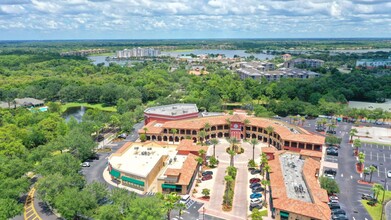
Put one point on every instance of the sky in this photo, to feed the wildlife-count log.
(184, 19)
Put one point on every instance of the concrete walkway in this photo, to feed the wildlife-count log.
(388, 210)
(240, 202)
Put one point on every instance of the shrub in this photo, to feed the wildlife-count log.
(143, 138)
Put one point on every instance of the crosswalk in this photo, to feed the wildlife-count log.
(149, 193)
(364, 189)
(189, 203)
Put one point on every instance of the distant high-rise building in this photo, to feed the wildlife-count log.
(138, 52)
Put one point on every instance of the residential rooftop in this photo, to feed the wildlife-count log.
(173, 109)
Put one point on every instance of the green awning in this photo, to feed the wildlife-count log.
(115, 173)
(168, 186)
(284, 214)
(131, 180)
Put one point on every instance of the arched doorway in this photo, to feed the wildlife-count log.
(165, 138)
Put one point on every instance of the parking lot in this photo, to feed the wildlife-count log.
(379, 155)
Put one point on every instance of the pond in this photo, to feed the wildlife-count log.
(76, 112)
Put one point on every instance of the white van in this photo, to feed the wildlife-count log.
(185, 199)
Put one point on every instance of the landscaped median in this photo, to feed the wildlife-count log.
(229, 188)
(375, 211)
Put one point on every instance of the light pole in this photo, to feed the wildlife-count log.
(203, 216)
(382, 202)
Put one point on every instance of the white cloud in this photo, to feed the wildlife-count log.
(254, 17)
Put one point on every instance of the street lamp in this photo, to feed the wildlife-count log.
(203, 216)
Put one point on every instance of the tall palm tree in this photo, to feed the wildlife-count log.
(302, 119)
(377, 188)
(357, 145)
(145, 130)
(318, 124)
(202, 154)
(266, 169)
(231, 153)
(269, 130)
(361, 158)
(264, 160)
(233, 142)
(366, 171)
(245, 122)
(229, 181)
(265, 183)
(254, 142)
(352, 133)
(173, 131)
(214, 141)
(200, 161)
(371, 170)
(206, 126)
(202, 135)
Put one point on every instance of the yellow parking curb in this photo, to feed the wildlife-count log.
(29, 205)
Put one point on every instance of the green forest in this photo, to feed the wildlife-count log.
(42, 148)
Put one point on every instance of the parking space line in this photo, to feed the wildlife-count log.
(384, 156)
(371, 155)
(378, 173)
(377, 156)
(383, 147)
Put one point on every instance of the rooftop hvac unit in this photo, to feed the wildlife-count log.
(135, 148)
(149, 148)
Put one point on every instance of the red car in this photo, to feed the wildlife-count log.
(206, 177)
(255, 180)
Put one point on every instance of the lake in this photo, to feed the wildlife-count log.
(102, 59)
(227, 53)
(76, 112)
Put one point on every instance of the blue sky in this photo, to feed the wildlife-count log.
(156, 19)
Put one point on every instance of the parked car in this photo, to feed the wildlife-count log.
(330, 171)
(257, 189)
(334, 206)
(339, 217)
(207, 177)
(100, 138)
(251, 169)
(332, 151)
(85, 164)
(253, 172)
(366, 196)
(94, 156)
(184, 199)
(254, 180)
(207, 173)
(334, 198)
(255, 206)
(255, 195)
(331, 132)
(389, 174)
(255, 201)
(123, 135)
(329, 176)
(252, 185)
(338, 211)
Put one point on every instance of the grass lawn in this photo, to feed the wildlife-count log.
(375, 211)
(97, 106)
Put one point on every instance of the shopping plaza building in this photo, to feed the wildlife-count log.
(285, 136)
(156, 166)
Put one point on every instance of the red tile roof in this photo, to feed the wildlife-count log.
(188, 145)
(311, 153)
(318, 209)
(186, 171)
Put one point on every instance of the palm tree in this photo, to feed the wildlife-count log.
(361, 158)
(352, 133)
(254, 142)
(366, 171)
(200, 161)
(145, 130)
(266, 169)
(290, 119)
(245, 122)
(264, 160)
(232, 153)
(269, 130)
(357, 145)
(202, 135)
(302, 118)
(206, 126)
(332, 127)
(169, 202)
(233, 142)
(318, 124)
(181, 207)
(173, 131)
(214, 141)
(371, 170)
(229, 181)
(377, 188)
(265, 183)
(202, 154)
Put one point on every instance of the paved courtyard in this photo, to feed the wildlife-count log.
(241, 196)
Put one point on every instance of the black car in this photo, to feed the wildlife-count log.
(366, 197)
(207, 173)
(257, 189)
(255, 185)
(334, 206)
(253, 172)
(100, 138)
(251, 168)
(255, 206)
(94, 156)
(332, 152)
(338, 211)
(331, 132)
(330, 171)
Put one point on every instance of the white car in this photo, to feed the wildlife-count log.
(389, 174)
(329, 176)
(255, 201)
(85, 164)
